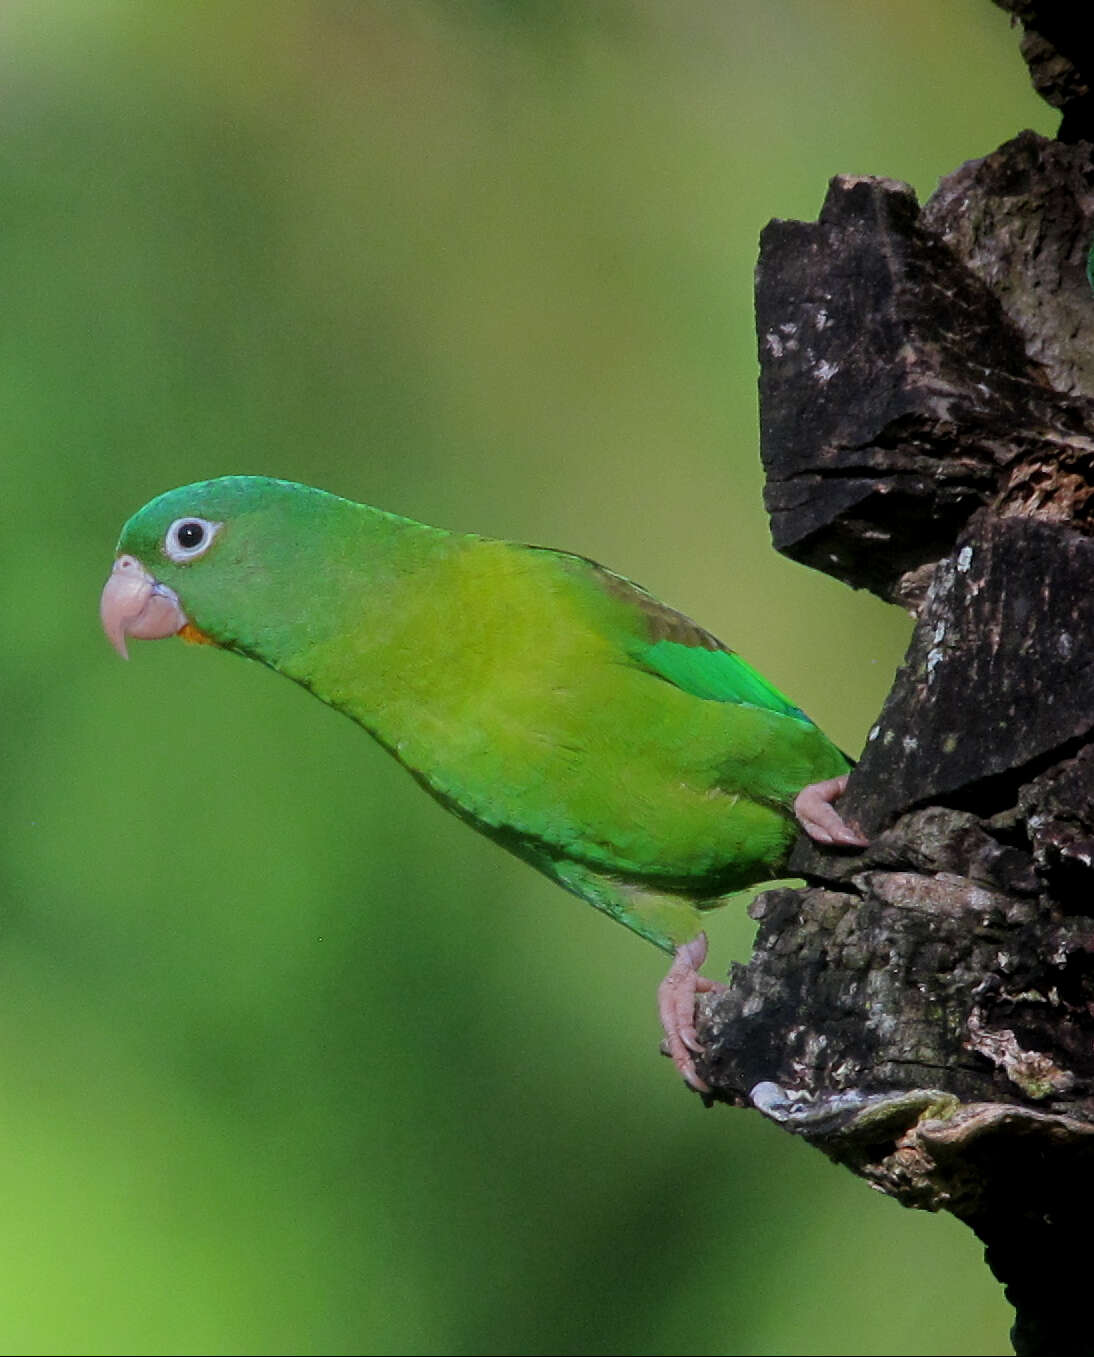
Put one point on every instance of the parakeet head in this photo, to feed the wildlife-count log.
(221, 561)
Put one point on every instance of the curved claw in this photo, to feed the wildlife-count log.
(819, 818)
(676, 1007)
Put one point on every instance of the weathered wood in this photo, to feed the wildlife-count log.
(901, 389)
(1056, 46)
(923, 1011)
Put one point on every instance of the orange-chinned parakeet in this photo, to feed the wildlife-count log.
(598, 734)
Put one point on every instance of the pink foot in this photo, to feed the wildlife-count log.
(819, 817)
(676, 1005)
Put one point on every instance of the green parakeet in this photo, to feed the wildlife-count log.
(601, 736)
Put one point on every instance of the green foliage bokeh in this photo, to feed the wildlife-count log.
(290, 1060)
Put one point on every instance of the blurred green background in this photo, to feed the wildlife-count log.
(290, 1060)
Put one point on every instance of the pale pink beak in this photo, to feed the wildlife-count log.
(135, 603)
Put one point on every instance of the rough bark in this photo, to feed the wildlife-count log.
(1056, 46)
(923, 1011)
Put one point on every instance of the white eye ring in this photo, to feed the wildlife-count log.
(188, 538)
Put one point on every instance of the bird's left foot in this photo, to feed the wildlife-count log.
(818, 816)
(676, 1005)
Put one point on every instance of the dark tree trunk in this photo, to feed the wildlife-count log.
(923, 1011)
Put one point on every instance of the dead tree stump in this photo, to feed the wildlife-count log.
(923, 1011)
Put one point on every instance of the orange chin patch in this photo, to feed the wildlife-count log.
(192, 636)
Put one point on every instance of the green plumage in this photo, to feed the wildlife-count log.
(555, 706)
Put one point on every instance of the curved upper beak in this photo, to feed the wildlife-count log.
(135, 603)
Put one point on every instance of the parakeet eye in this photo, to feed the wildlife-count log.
(189, 538)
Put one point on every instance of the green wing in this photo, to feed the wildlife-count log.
(717, 675)
(678, 650)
